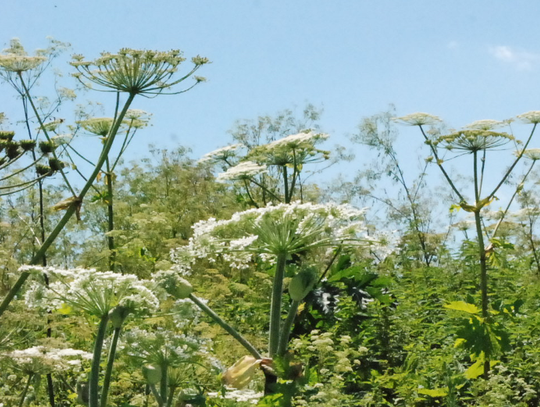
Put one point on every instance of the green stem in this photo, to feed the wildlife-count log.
(156, 395)
(171, 397)
(294, 175)
(481, 252)
(110, 213)
(509, 171)
(41, 124)
(108, 371)
(164, 382)
(71, 210)
(518, 188)
(286, 185)
(230, 330)
(275, 306)
(286, 329)
(246, 185)
(439, 164)
(93, 382)
(23, 395)
(265, 191)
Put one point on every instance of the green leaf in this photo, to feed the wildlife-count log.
(65, 309)
(475, 369)
(441, 392)
(463, 306)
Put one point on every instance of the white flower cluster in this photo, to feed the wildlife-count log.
(532, 117)
(298, 140)
(244, 170)
(41, 359)
(221, 154)
(20, 63)
(285, 228)
(137, 114)
(486, 124)
(531, 153)
(90, 291)
(160, 346)
(244, 395)
(419, 119)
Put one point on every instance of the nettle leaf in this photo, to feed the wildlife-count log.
(463, 306)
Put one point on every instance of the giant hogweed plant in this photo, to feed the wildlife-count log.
(297, 239)
(483, 336)
(129, 72)
(106, 297)
(270, 173)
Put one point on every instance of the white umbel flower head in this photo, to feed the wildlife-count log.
(221, 154)
(90, 291)
(244, 170)
(137, 72)
(273, 230)
(44, 360)
(532, 117)
(419, 119)
(486, 124)
(531, 153)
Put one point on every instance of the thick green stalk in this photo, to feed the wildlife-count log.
(72, 208)
(286, 185)
(275, 306)
(23, 395)
(93, 382)
(481, 251)
(230, 330)
(108, 370)
(286, 329)
(164, 382)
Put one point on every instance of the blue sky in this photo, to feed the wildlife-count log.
(461, 60)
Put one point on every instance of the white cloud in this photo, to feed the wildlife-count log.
(520, 60)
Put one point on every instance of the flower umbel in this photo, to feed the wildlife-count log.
(100, 126)
(474, 140)
(273, 230)
(137, 72)
(531, 153)
(419, 119)
(95, 293)
(532, 117)
(244, 170)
